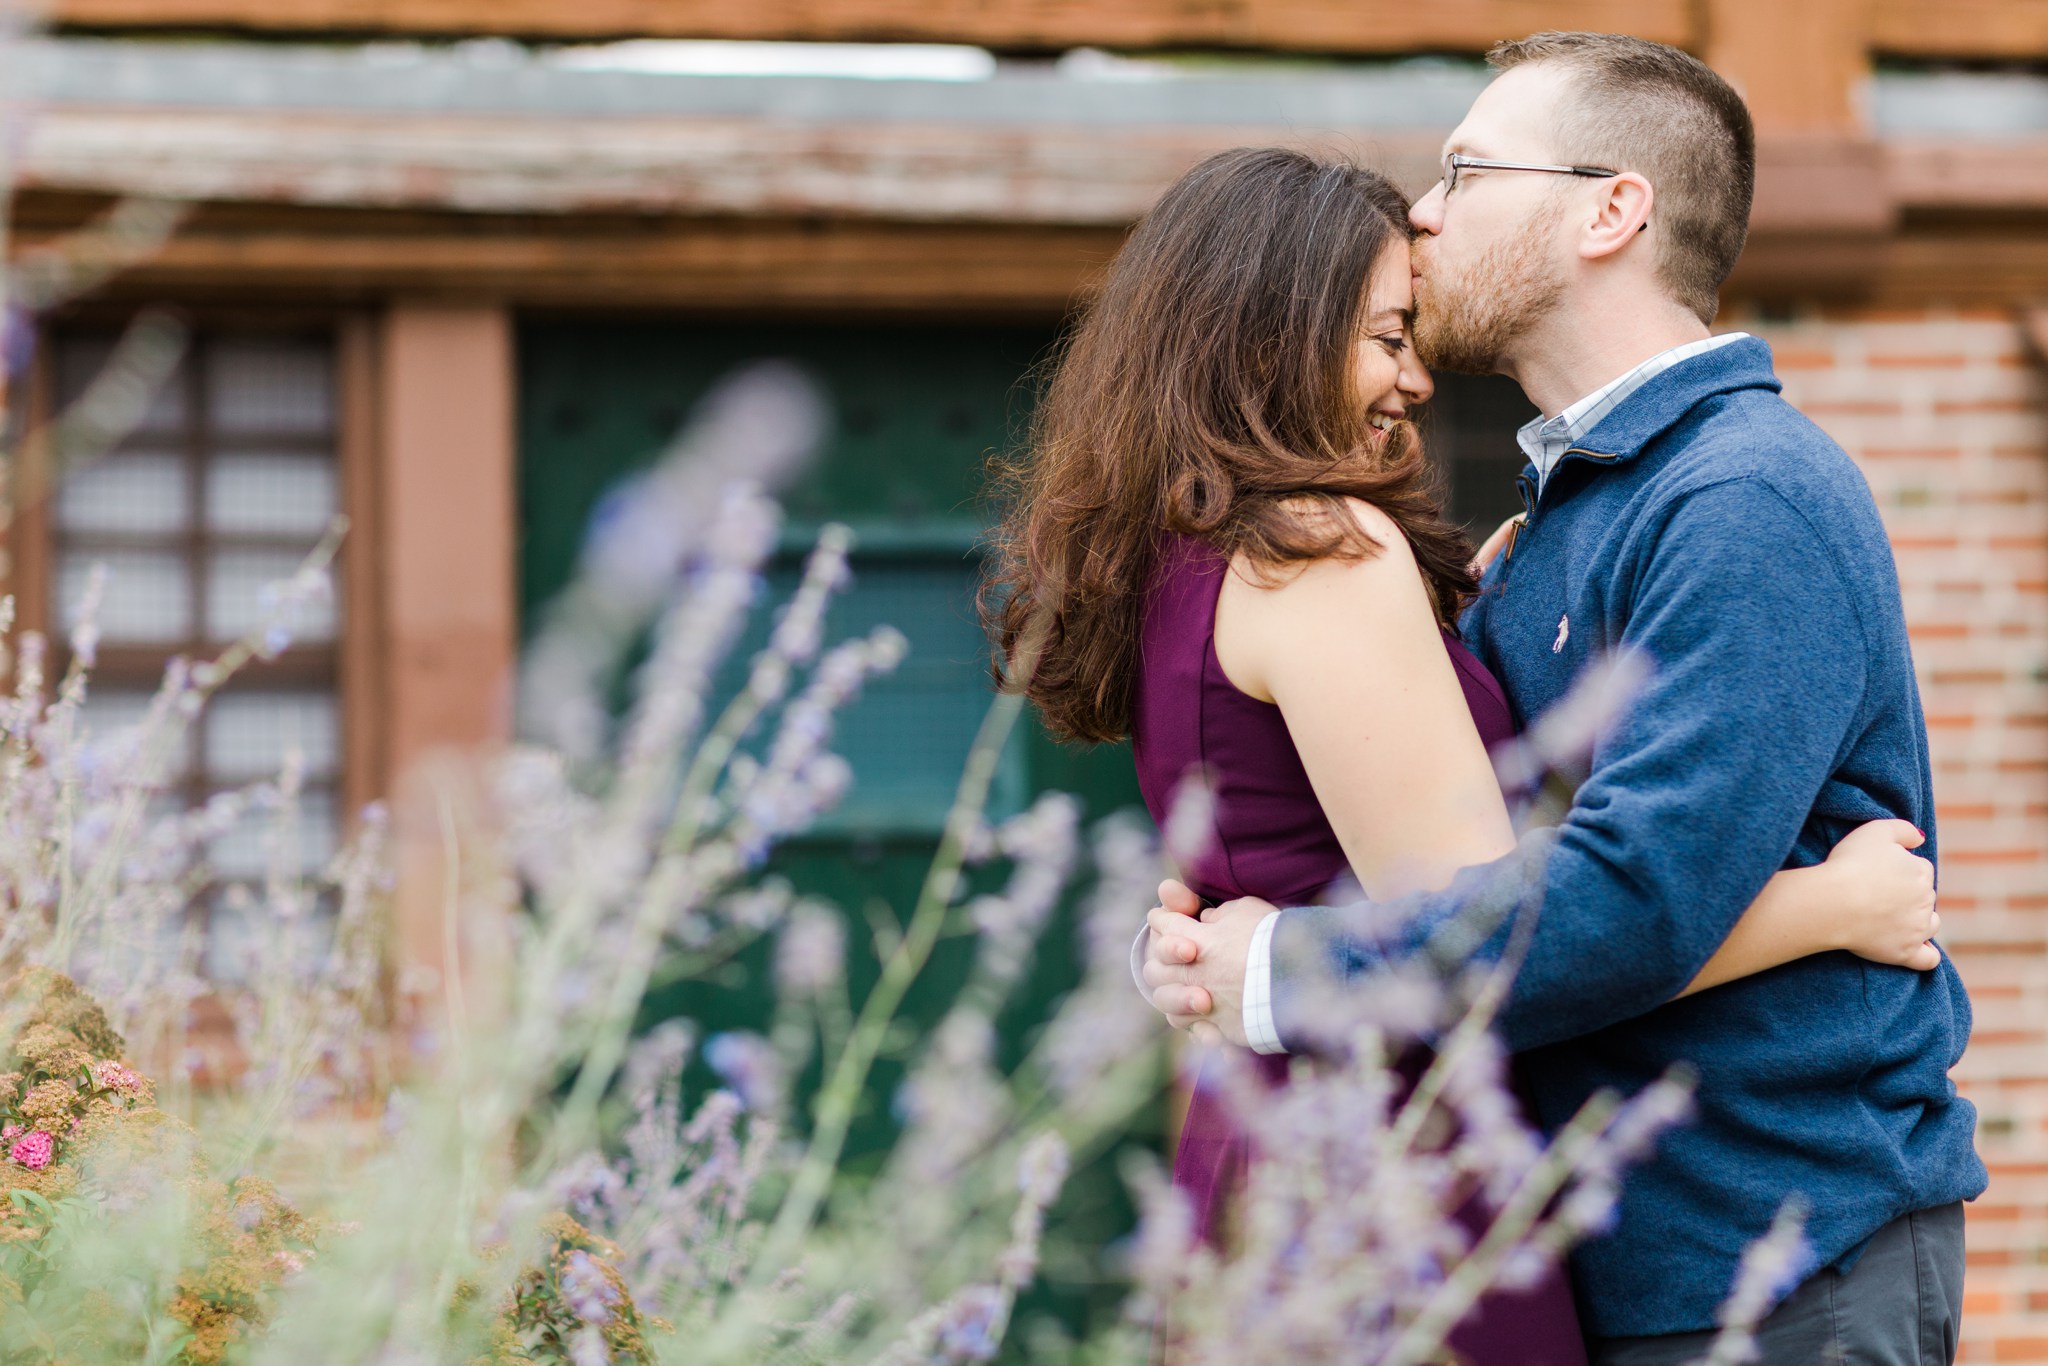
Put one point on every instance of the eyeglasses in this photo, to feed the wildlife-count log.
(1458, 161)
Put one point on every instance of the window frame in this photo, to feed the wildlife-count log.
(346, 667)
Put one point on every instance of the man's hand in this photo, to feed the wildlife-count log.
(1195, 967)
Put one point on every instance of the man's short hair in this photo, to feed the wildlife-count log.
(1645, 107)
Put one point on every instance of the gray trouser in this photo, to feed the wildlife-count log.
(1901, 1305)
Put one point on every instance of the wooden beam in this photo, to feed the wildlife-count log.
(1800, 66)
(27, 543)
(1050, 173)
(278, 256)
(2013, 30)
(2034, 319)
(650, 168)
(2005, 174)
(446, 471)
(1927, 264)
(266, 253)
(448, 505)
(1335, 26)
(365, 702)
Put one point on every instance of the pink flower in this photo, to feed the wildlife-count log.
(34, 1151)
(9, 1131)
(110, 1075)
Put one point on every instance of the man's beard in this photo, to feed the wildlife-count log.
(1465, 323)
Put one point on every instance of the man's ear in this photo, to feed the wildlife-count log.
(1620, 216)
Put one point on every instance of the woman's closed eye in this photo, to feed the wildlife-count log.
(1395, 343)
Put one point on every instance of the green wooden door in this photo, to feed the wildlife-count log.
(917, 411)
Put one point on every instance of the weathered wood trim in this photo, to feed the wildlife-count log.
(1799, 66)
(1962, 265)
(962, 172)
(447, 475)
(1049, 173)
(2011, 29)
(2004, 174)
(228, 254)
(26, 537)
(2034, 318)
(1337, 26)
(365, 708)
(231, 255)
(448, 478)
(1828, 210)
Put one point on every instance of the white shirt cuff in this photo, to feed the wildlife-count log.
(1260, 1029)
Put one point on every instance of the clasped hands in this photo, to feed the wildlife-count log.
(1194, 966)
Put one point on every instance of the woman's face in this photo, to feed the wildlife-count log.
(1384, 371)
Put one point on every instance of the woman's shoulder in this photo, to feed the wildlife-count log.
(1390, 556)
(1377, 523)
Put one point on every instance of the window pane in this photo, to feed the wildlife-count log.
(270, 495)
(148, 597)
(234, 596)
(242, 854)
(135, 492)
(909, 732)
(109, 722)
(247, 734)
(81, 360)
(270, 385)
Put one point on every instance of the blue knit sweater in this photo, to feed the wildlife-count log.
(1707, 524)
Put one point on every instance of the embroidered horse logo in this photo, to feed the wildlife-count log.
(1564, 633)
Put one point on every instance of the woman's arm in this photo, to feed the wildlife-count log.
(1872, 897)
(1351, 652)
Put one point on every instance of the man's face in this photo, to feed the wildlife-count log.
(1492, 256)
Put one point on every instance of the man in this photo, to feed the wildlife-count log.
(1593, 201)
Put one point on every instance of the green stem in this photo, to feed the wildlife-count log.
(1462, 1289)
(841, 1095)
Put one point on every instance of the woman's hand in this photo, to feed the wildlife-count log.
(1884, 895)
(1494, 543)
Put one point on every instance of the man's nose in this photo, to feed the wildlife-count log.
(1427, 213)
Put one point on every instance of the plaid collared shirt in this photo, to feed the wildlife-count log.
(1545, 440)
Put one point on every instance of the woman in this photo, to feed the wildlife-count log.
(1225, 544)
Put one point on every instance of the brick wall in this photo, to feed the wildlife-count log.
(1947, 413)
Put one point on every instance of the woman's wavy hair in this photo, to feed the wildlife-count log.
(1207, 390)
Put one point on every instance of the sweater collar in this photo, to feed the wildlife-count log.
(1663, 401)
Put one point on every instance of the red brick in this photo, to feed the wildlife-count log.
(1962, 478)
(1949, 361)
(1850, 407)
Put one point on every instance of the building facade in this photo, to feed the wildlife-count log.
(452, 268)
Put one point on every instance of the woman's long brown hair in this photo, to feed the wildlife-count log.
(1208, 391)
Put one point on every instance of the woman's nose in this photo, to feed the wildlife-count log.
(1415, 384)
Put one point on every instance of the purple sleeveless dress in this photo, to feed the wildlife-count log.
(1272, 841)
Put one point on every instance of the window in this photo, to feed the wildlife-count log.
(223, 488)
(908, 734)
(916, 410)
(1469, 426)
